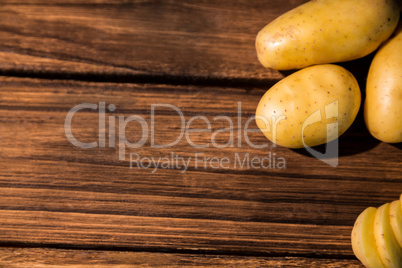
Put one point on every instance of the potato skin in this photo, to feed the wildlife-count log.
(326, 31)
(383, 103)
(283, 110)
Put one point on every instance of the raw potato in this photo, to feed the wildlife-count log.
(388, 248)
(297, 110)
(377, 234)
(382, 108)
(326, 31)
(363, 241)
(395, 213)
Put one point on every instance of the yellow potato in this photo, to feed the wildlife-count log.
(326, 31)
(395, 213)
(388, 248)
(310, 107)
(363, 241)
(382, 108)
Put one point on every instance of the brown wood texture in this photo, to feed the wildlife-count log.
(64, 205)
(186, 39)
(58, 195)
(49, 257)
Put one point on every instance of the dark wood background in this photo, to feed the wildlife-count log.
(62, 205)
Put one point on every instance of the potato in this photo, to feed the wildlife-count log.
(388, 248)
(382, 108)
(376, 236)
(363, 242)
(326, 31)
(395, 213)
(310, 107)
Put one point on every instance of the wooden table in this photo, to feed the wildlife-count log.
(66, 205)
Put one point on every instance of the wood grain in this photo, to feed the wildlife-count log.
(57, 195)
(48, 257)
(83, 230)
(67, 206)
(184, 39)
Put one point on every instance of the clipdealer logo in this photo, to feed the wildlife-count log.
(331, 155)
(108, 123)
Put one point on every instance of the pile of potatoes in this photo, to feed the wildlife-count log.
(318, 103)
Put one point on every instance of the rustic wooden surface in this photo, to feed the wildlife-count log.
(63, 205)
(50, 257)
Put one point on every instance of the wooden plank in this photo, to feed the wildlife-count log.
(102, 39)
(45, 185)
(45, 102)
(57, 195)
(48, 257)
(82, 230)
